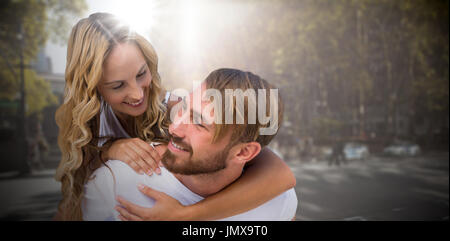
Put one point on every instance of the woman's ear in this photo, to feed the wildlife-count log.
(248, 151)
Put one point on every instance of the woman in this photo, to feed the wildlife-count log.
(112, 105)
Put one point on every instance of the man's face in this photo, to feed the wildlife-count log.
(190, 150)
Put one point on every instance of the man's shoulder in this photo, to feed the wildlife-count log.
(111, 169)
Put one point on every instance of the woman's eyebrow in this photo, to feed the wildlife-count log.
(114, 81)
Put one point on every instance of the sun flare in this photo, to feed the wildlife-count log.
(139, 14)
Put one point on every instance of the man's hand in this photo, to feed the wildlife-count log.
(166, 208)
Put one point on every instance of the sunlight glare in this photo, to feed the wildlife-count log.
(139, 14)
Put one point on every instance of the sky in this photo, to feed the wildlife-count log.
(57, 53)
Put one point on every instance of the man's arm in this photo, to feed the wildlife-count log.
(281, 208)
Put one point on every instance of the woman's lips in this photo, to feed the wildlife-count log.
(135, 104)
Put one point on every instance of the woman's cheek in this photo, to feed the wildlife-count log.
(147, 83)
(114, 99)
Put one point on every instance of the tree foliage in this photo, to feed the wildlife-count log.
(39, 21)
(354, 61)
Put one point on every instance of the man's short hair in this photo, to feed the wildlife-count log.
(234, 79)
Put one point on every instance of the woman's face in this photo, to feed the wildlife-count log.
(125, 80)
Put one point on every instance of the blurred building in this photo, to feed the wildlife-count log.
(43, 66)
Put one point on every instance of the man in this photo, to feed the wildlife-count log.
(203, 156)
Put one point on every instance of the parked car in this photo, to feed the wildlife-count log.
(356, 151)
(402, 149)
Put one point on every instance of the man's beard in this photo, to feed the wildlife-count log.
(191, 166)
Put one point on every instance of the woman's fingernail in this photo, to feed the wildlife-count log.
(150, 173)
(141, 186)
(158, 171)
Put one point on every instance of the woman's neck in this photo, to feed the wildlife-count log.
(126, 121)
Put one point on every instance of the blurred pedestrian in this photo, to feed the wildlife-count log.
(337, 155)
(38, 147)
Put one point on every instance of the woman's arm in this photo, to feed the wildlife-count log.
(267, 177)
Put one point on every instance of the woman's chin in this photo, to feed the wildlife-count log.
(135, 112)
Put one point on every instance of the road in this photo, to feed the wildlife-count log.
(376, 189)
(380, 188)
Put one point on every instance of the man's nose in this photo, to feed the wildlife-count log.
(176, 129)
(179, 124)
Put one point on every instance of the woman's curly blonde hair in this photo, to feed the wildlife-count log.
(91, 41)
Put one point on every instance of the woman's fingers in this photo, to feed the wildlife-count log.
(141, 156)
(135, 160)
(149, 155)
(138, 154)
(130, 160)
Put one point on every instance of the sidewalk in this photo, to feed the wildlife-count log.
(30, 197)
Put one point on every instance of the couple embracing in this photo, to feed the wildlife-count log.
(131, 151)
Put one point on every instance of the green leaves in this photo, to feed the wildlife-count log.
(40, 20)
(346, 61)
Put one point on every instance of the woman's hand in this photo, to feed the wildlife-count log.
(138, 154)
(166, 208)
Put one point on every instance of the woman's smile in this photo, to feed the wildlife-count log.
(135, 104)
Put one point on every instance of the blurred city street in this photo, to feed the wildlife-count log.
(380, 188)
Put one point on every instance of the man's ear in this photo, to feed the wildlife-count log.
(247, 151)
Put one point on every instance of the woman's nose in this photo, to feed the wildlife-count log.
(136, 92)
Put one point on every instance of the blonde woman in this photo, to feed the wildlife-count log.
(113, 104)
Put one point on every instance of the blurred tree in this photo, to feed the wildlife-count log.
(355, 68)
(41, 20)
(25, 26)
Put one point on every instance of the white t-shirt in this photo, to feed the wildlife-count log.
(120, 179)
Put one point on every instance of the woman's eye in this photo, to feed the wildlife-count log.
(141, 74)
(118, 86)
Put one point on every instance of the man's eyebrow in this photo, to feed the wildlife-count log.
(115, 81)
